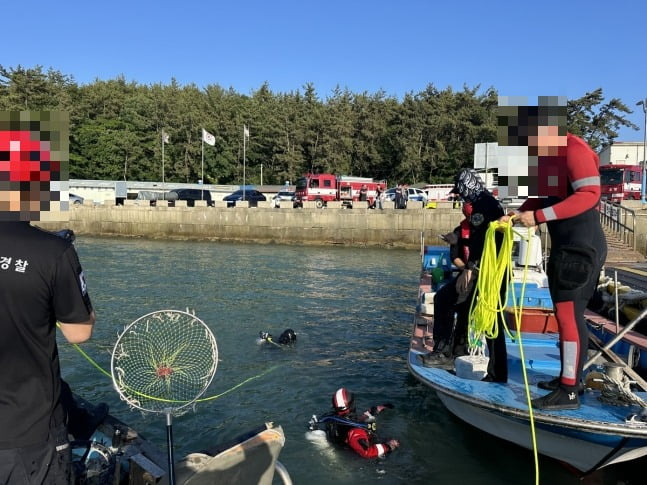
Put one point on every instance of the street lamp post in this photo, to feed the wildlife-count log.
(643, 102)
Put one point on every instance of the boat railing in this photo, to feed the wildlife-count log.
(282, 473)
(620, 220)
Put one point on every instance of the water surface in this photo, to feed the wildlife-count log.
(352, 310)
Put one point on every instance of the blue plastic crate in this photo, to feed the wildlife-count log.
(436, 257)
(533, 297)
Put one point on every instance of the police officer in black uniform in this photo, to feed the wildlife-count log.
(41, 282)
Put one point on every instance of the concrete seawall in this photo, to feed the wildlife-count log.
(331, 226)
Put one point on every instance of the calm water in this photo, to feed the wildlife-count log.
(352, 311)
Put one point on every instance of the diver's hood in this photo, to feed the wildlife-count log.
(468, 185)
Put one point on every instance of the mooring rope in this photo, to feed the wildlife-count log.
(618, 393)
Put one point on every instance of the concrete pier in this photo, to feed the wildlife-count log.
(265, 224)
(352, 227)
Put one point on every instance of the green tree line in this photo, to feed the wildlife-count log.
(116, 128)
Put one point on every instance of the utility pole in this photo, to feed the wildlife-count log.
(643, 102)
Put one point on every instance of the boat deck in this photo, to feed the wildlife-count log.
(596, 434)
(541, 361)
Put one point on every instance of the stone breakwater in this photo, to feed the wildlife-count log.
(330, 226)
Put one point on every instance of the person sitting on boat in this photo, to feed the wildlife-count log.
(344, 427)
(460, 290)
(568, 186)
(458, 240)
(288, 337)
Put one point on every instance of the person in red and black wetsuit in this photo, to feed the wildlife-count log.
(345, 427)
(569, 193)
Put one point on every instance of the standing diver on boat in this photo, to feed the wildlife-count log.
(343, 426)
(568, 193)
(484, 209)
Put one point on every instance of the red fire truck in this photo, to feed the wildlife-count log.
(324, 187)
(620, 182)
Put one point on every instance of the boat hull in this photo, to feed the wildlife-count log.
(111, 452)
(591, 437)
(581, 439)
(587, 454)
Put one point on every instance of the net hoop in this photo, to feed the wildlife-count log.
(164, 361)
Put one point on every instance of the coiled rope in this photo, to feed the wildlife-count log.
(494, 268)
(619, 393)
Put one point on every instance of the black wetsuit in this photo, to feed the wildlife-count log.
(485, 209)
(578, 246)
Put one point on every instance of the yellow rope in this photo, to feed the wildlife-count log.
(497, 269)
(494, 267)
(210, 398)
(91, 360)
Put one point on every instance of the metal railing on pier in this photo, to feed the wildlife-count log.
(619, 220)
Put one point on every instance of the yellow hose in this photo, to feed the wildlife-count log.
(495, 270)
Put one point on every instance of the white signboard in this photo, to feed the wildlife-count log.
(485, 155)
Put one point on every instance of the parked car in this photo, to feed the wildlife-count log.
(413, 193)
(283, 195)
(253, 196)
(76, 199)
(190, 195)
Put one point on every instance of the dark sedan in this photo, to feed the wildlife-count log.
(190, 195)
(253, 196)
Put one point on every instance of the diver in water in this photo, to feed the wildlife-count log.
(343, 426)
(288, 337)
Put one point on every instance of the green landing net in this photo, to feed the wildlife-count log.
(164, 361)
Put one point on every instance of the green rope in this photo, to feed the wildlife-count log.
(210, 398)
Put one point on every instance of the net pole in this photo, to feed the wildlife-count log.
(169, 443)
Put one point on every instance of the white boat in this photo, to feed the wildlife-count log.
(596, 435)
(107, 451)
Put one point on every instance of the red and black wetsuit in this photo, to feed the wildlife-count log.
(348, 430)
(360, 441)
(569, 190)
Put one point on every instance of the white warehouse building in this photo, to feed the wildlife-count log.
(623, 153)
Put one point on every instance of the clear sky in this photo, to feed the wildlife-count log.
(530, 48)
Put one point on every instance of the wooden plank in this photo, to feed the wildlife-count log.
(614, 358)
